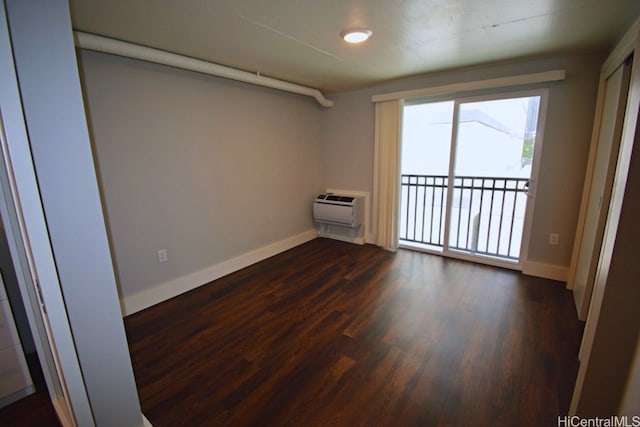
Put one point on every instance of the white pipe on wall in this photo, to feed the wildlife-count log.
(131, 50)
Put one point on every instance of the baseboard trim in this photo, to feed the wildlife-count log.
(13, 397)
(546, 271)
(172, 288)
(357, 240)
(146, 422)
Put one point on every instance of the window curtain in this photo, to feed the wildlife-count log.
(386, 172)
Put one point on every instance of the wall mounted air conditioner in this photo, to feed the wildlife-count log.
(333, 209)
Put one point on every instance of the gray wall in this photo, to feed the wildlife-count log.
(206, 168)
(210, 169)
(347, 134)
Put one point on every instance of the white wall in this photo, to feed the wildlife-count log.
(347, 135)
(206, 168)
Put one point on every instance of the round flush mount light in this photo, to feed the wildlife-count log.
(356, 35)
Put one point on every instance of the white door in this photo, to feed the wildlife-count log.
(615, 98)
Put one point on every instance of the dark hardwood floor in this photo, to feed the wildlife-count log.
(336, 334)
(35, 410)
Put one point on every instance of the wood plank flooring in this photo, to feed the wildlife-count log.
(35, 410)
(336, 334)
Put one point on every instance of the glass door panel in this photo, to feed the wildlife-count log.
(426, 147)
(491, 173)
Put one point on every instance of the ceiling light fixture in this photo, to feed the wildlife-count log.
(356, 35)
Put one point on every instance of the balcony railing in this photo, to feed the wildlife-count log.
(487, 213)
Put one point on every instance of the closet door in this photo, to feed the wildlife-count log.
(615, 99)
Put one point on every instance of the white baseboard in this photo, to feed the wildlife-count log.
(546, 271)
(164, 291)
(146, 422)
(357, 240)
(13, 397)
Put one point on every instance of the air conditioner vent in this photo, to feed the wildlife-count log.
(339, 210)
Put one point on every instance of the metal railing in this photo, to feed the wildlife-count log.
(487, 213)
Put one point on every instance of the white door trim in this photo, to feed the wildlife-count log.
(613, 218)
(29, 243)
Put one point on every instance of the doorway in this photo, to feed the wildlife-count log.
(468, 172)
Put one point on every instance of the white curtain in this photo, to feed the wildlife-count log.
(386, 172)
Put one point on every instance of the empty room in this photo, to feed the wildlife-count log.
(393, 213)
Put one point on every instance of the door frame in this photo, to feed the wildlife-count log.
(59, 150)
(593, 223)
(630, 44)
(28, 239)
(617, 57)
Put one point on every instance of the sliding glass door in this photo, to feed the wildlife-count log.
(468, 175)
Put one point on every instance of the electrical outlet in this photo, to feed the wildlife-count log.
(162, 255)
(554, 238)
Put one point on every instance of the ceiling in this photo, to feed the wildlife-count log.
(298, 40)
